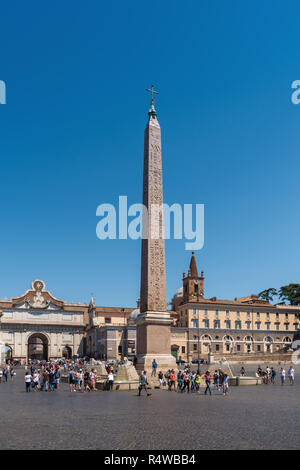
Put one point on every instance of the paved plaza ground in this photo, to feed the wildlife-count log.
(257, 417)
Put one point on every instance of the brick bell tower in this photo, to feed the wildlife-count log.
(193, 285)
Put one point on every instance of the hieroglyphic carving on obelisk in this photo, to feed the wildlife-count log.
(153, 269)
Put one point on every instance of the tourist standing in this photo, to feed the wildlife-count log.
(273, 375)
(86, 381)
(216, 381)
(207, 378)
(179, 380)
(110, 380)
(291, 375)
(282, 376)
(93, 380)
(57, 378)
(221, 375)
(51, 380)
(154, 367)
(27, 381)
(160, 378)
(172, 380)
(197, 382)
(12, 374)
(242, 371)
(72, 380)
(225, 385)
(1, 375)
(77, 381)
(36, 380)
(167, 377)
(45, 383)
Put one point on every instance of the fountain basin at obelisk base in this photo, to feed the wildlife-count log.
(235, 380)
(126, 379)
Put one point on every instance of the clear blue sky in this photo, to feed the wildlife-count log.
(71, 138)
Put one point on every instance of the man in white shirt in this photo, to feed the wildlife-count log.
(110, 380)
(27, 381)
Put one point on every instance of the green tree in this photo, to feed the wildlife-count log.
(268, 294)
(290, 293)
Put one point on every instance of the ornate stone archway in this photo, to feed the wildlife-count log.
(37, 347)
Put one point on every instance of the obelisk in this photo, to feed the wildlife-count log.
(153, 323)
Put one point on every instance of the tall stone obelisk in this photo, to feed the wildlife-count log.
(153, 323)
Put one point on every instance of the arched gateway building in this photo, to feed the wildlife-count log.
(37, 325)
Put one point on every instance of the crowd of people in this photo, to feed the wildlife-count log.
(190, 381)
(46, 376)
(269, 375)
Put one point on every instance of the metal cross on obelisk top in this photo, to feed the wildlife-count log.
(153, 92)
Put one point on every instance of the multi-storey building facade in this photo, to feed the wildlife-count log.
(109, 334)
(244, 325)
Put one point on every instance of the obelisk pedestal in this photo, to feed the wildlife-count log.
(153, 341)
(153, 323)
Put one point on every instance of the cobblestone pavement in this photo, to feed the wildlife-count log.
(257, 417)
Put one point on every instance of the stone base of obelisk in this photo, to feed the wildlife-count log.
(154, 342)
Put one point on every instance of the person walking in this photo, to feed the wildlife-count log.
(1, 375)
(291, 375)
(5, 374)
(143, 383)
(207, 378)
(27, 381)
(154, 367)
(225, 385)
(186, 383)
